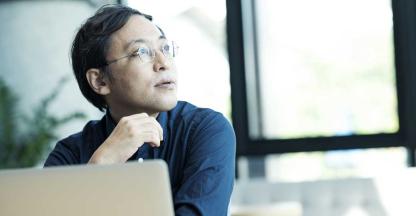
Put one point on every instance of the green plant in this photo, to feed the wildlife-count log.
(25, 139)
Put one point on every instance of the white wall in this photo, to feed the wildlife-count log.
(35, 43)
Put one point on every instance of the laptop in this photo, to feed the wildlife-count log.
(87, 190)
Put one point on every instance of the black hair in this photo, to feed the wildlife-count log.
(91, 45)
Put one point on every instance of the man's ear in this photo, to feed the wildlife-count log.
(98, 82)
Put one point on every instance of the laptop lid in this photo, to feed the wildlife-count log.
(106, 190)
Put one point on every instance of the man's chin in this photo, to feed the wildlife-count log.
(167, 105)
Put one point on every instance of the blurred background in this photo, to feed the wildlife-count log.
(314, 89)
(314, 76)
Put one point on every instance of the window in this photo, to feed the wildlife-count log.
(323, 75)
(325, 68)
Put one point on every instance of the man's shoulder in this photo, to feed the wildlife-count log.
(75, 148)
(198, 117)
(189, 112)
(209, 131)
(93, 127)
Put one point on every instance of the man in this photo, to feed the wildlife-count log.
(124, 65)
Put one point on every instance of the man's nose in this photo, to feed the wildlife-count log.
(161, 62)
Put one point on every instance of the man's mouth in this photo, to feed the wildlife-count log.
(168, 84)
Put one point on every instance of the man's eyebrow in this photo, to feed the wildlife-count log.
(161, 37)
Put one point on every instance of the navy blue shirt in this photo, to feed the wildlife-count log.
(198, 146)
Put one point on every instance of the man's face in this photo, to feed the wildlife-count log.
(136, 85)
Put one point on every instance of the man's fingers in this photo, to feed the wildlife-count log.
(133, 117)
(145, 117)
(146, 127)
(159, 127)
(151, 125)
(152, 138)
(138, 116)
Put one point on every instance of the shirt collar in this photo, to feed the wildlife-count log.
(109, 122)
(162, 118)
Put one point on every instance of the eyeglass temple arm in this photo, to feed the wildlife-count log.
(116, 60)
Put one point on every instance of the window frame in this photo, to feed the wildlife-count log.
(404, 27)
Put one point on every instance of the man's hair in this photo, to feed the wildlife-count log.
(92, 42)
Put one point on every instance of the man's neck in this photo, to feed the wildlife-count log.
(117, 115)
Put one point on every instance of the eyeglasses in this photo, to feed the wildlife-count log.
(147, 54)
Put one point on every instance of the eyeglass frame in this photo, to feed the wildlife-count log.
(175, 47)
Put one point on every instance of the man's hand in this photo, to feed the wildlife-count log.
(129, 135)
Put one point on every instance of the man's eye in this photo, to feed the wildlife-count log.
(166, 47)
(142, 51)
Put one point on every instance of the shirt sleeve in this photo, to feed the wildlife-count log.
(62, 155)
(209, 169)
